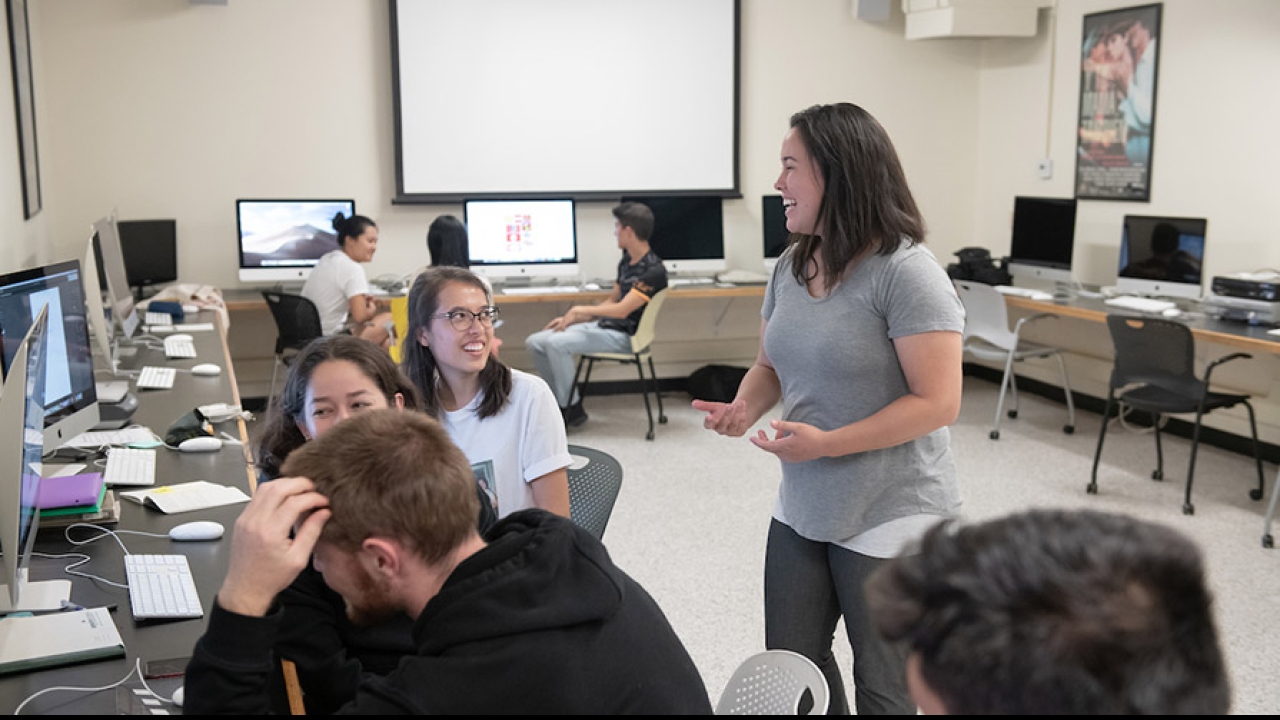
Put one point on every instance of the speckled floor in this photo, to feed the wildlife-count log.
(691, 518)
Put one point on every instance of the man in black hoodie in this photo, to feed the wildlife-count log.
(536, 619)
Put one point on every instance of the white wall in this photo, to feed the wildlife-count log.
(21, 241)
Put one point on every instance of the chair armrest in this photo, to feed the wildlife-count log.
(1224, 359)
(1017, 328)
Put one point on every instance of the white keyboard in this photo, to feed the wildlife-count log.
(1128, 302)
(678, 281)
(530, 290)
(130, 466)
(161, 587)
(1024, 292)
(156, 378)
(177, 346)
(158, 318)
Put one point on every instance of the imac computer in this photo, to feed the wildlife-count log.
(1044, 231)
(775, 229)
(281, 240)
(150, 249)
(513, 239)
(688, 232)
(21, 450)
(1162, 256)
(123, 310)
(70, 395)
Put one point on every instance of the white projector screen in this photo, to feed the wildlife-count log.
(566, 98)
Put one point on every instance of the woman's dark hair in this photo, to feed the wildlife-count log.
(281, 434)
(350, 227)
(447, 242)
(417, 360)
(866, 204)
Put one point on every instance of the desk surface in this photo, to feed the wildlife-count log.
(157, 409)
(1209, 329)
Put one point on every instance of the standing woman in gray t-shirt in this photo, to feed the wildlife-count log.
(860, 340)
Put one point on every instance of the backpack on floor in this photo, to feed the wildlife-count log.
(718, 383)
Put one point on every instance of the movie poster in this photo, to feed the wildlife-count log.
(1118, 69)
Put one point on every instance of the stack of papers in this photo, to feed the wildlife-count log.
(134, 435)
(197, 495)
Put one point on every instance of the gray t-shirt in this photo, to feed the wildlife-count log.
(837, 365)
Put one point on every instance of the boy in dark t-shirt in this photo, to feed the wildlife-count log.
(608, 325)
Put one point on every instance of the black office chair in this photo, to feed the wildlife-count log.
(1154, 372)
(297, 323)
(593, 488)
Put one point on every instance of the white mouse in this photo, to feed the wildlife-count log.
(181, 336)
(591, 286)
(1171, 312)
(190, 308)
(197, 530)
(178, 696)
(208, 369)
(200, 444)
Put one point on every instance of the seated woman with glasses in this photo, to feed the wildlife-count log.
(506, 421)
(333, 378)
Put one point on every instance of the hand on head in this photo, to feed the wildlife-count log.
(273, 540)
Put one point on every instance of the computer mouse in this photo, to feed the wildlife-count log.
(1171, 312)
(197, 530)
(178, 696)
(591, 286)
(181, 336)
(200, 444)
(206, 369)
(190, 308)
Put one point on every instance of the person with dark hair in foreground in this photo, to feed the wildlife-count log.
(533, 618)
(1055, 612)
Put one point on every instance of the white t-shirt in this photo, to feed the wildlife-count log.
(334, 280)
(520, 444)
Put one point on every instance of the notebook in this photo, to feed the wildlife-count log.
(196, 495)
(70, 491)
(61, 638)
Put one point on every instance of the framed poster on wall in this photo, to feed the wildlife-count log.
(24, 103)
(1119, 59)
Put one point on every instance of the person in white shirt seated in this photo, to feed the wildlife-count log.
(338, 288)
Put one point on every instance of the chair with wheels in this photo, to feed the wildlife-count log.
(595, 478)
(639, 355)
(1154, 372)
(775, 682)
(297, 323)
(987, 337)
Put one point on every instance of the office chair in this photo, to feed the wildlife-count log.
(593, 488)
(1154, 360)
(297, 323)
(639, 354)
(987, 336)
(774, 682)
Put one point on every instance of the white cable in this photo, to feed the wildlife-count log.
(137, 668)
(81, 560)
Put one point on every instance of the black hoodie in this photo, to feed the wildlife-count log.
(539, 621)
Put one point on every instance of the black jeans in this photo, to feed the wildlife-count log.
(808, 586)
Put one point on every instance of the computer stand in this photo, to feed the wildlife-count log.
(44, 596)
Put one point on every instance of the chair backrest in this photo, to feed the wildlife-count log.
(1153, 351)
(297, 319)
(648, 322)
(593, 488)
(986, 316)
(400, 316)
(774, 682)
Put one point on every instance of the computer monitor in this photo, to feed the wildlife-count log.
(94, 282)
(1162, 256)
(688, 232)
(521, 238)
(71, 398)
(774, 220)
(123, 310)
(21, 450)
(1044, 231)
(281, 240)
(150, 249)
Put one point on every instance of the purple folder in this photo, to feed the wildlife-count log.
(69, 491)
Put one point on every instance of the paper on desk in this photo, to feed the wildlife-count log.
(197, 495)
(132, 435)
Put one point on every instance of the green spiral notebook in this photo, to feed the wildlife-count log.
(30, 642)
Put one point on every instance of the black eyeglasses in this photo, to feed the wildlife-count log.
(462, 320)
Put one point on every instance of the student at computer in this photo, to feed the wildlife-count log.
(860, 338)
(504, 420)
(1055, 612)
(533, 618)
(338, 287)
(447, 244)
(608, 325)
(334, 378)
